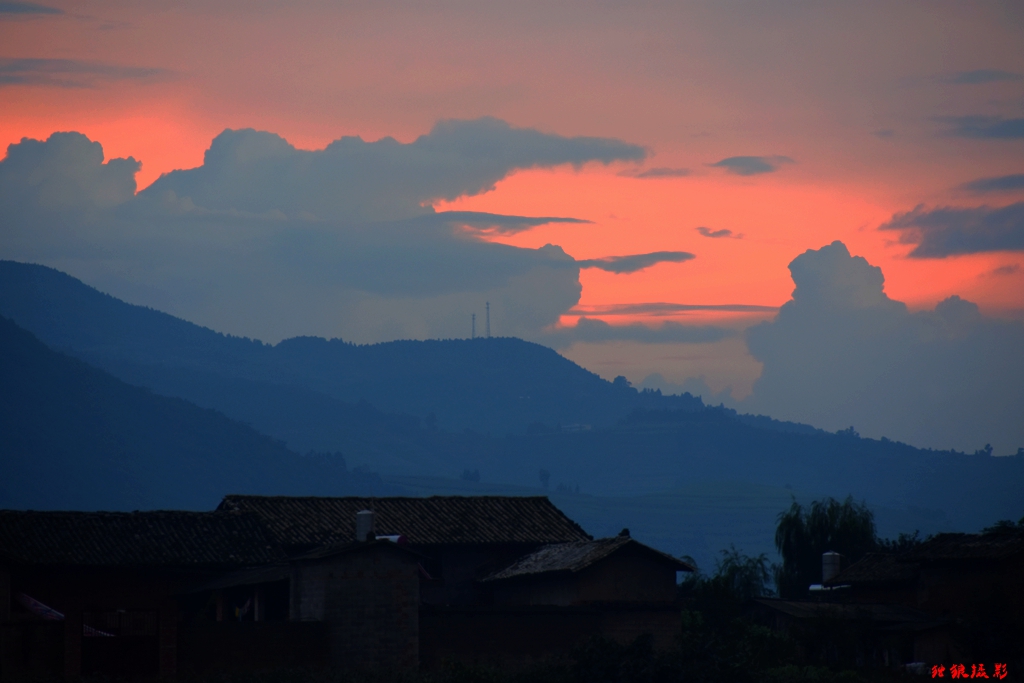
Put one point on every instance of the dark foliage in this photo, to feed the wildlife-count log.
(737, 579)
(802, 536)
(899, 544)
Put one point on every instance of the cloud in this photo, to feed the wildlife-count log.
(752, 165)
(842, 352)
(351, 179)
(884, 133)
(490, 224)
(70, 73)
(593, 331)
(27, 9)
(947, 231)
(659, 172)
(1009, 269)
(980, 76)
(635, 262)
(708, 232)
(66, 172)
(661, 308)
(271, 242)
(1005, 183)
(983, 127)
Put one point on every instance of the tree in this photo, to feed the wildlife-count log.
(802, 536)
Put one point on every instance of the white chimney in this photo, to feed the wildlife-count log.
(830, 565)
(364, 526)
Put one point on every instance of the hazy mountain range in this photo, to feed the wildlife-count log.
(472, 416)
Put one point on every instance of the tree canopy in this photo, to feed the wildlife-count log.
(803, 535)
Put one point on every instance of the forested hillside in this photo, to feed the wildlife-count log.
(74, 437)
(489, 385)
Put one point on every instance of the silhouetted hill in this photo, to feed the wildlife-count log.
(491, 385)
(505, 409)
(74, 437)
(651, 451)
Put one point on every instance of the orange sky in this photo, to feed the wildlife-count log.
(692, 82)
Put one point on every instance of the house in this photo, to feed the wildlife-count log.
(557, 595)
(462, 538)
(95, 593)
(270, 582)
(861, 634)
(971, 583)
(950, 598)
(606, 570)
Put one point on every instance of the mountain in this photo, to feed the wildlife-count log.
(649, 452)
(74, 437)
(490, 385)
(410, 409)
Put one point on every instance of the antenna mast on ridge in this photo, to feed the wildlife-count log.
(473, 335)
(488, 319)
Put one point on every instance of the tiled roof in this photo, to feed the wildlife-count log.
(573, 557)
(876, 568)
(151, 539)
(992, 546)
(307, 522)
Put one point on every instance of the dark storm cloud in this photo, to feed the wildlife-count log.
(717, 234)
(981, 76)
(70, 73)
(660, 172)
(752, 165)
(27, 8)
(593, 331)
(842, 352)
(983, 127)
(351, 179)
(947, 231)
(270, 242)
(1003, 183)
(634, 262)
(662, 308)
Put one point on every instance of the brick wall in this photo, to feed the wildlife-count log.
(369, 598)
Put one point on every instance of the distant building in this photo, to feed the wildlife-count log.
(266, 582)
(927, 604)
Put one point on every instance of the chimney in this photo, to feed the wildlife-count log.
(830, 564)
(364, 526)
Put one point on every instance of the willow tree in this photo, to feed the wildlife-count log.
(803, 535)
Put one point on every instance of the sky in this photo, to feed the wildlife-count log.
(812, 210)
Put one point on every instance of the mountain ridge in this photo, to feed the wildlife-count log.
(73, 436)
